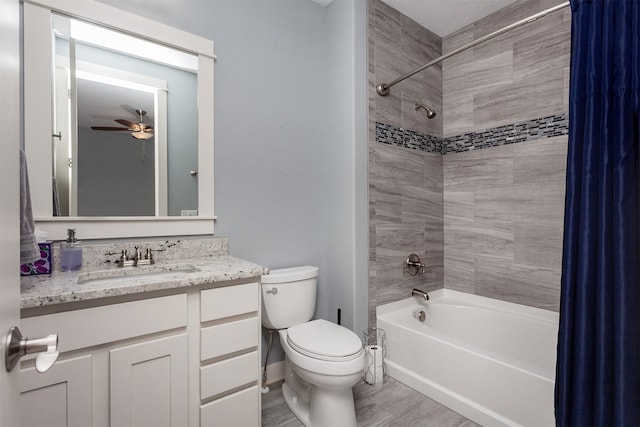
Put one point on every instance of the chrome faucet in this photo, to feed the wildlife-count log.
(137, 260)
(421, 294)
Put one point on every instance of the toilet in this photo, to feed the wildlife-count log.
(323, 360)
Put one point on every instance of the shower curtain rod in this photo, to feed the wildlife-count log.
(383, 89)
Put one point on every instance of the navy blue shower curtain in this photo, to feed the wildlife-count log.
(598, 365)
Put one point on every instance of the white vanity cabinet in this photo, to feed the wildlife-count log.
(59, 397)
(230, 356)
(187, 358)
(149, 383)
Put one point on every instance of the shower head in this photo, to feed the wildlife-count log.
(430, 112)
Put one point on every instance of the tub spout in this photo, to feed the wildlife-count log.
(421, 294)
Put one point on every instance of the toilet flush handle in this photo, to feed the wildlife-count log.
(273, 290)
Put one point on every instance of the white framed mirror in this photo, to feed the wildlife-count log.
(62, 196)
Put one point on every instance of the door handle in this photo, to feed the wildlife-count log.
(17, 346)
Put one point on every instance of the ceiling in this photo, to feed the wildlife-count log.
(100, 104)
(443, 17)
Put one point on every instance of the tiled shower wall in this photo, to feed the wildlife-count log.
(487, 220)
(504, 206)
(517, 76)
(503, 220)
(405, 186)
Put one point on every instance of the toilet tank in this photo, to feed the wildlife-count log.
(288, 296)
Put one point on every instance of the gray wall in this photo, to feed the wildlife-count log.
(346, 161)
(504, 206)
(405, 186)
(517, 76)
(113, 177)
(488, 221)
(182, 152)
(290, 141)
(503, 221)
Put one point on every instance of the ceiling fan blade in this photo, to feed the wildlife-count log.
(126, 123)
(146, 128)
(108, 128)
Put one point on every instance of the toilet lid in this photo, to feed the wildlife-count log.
(324, 340)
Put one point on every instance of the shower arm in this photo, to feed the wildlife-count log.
(430, 112)
(384, 89)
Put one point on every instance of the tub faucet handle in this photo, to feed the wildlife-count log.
(413, 265)
(420, 294)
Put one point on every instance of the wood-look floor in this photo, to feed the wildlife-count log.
(395, 404)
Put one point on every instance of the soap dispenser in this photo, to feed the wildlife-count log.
(70, 252)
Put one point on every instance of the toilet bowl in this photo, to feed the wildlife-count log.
(323, 360)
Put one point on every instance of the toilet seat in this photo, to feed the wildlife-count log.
(323, 340)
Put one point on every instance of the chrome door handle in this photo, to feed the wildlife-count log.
(17, 346)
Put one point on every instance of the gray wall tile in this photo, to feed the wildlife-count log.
(518, 283)
(459, 271)
(503, 220)
(405, 186)
(543, 161)
(516, 76)
(489, 220)
(503, 206)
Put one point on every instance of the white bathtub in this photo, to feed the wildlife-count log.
(489, 360)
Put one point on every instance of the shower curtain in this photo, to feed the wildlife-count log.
(598, 365)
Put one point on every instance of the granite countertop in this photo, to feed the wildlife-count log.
(63, 287)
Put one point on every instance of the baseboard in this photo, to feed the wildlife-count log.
(275, 372)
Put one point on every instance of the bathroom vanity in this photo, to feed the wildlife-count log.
(176, 344)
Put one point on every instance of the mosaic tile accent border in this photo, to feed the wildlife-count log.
(544, 127)
(392, 135)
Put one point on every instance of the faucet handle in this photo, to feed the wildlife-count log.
(413, 265)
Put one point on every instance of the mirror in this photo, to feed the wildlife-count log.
(113, 127)
(131, 126)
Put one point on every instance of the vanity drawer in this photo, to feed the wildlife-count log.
(238, 409)
(228, 374)
(100, 325)
(229, 301)
(226, 338)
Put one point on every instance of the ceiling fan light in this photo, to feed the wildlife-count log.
(142, 135)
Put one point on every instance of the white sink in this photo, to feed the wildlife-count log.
(130, 273)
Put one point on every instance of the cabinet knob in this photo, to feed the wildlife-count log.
(17, 346)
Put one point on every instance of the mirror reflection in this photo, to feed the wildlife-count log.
(126, 125)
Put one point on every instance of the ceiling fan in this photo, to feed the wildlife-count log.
(138, 130)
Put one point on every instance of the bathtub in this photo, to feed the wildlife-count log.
(489, 360)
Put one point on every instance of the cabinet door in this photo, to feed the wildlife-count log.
(59, 397)
(149, 383)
